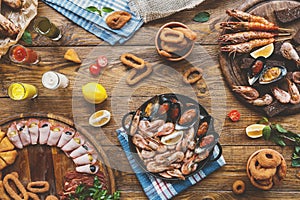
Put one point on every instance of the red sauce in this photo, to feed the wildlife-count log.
(19, 53)
(24, 55)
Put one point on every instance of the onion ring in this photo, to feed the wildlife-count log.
(38, 186)
(133, 76)
(117, 19)
(18, 184)
(132, 61)
(258, 172)
(33, 196)
(189, 72)
(263, 187)
(188, 33)
(238, 187)
(51, 197)
(268, 158)
(171, 36)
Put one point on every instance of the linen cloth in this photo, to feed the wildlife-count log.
(157, 189)
(76, 11)
(154, 9)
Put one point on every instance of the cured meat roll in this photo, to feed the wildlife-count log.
(13, 135)
(90, 169)
(55, 134)
(85, 159)
(74, 143)
(66, 136)
(44, 131)
(33, 130)
(83, 149)
(24, 133)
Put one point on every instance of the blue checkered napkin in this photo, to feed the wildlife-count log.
(76, 11)
(157, 189)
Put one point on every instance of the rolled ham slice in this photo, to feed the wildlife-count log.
(33, 130)
(83, 149)
(24, 133)
(66, 136)
(89, 169)
(44, 131)
(74, 143)
(85, 159)
(54, 135)
(13, 135)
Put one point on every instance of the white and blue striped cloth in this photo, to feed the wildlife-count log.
(157, 189)
(76, 11)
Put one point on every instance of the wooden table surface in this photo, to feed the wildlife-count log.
(219, 100)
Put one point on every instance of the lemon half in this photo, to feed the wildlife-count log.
(99, 118)
(265, 51)
(94, 92)
(255, 130)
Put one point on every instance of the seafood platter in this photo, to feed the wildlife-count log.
(171, 136)
(47, 156)
(259, 56)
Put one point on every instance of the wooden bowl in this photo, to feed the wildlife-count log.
(183, 53)
(254, 154)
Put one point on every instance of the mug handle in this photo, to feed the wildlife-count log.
(124, 121)
(220, 152)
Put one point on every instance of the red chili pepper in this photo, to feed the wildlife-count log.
(234, 115)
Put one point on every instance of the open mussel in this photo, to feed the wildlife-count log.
(188, 118)
(256, 70)
(272, 74)
(204, 126)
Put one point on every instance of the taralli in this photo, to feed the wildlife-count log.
(51, 197)
(192, 75)
(38, 186)
(238, 187)
(132, 61)
(3, 195)
(171, 36)
(118, 19)
(268, 158)
(265, 181)
(263, 187)
(174, 47)
(165, 53)
(258, 172)
(188, 33)
(11, 191)
(33, 196)
(134, 77)
(281, 170)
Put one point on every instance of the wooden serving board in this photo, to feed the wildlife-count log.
(231, 66)
(42, 162)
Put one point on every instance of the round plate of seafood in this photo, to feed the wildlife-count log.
(172, 136)
(260, 56)
(47, 156)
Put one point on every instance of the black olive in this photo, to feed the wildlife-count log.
(85, 147)
(92, 168)
(45, 125)
(21, 128)
(68, 133)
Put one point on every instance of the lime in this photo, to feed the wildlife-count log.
(94, 92)
(265, 51)
(99, 118)
(255, 130)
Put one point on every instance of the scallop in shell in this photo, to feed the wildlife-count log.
(272, 74)
(173, 138)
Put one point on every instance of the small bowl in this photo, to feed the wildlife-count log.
(183, 53)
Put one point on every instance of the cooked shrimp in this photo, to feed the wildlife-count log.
(250, 26)
(294, 92)
(246, 92)
(263, 101)
(288, 51)
(248, 17)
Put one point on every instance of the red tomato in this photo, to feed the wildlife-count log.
(234, 115)
(102, 61)
(94, 69)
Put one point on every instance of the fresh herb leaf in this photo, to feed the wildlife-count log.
(278, 140)
(264, 120)
(296, 163)
(107, 10)
(266, 132)
(280, 129)
(202, 17)
(297, 150)
(26, 37)
(94, 10)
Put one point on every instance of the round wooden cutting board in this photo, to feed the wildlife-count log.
(235, 75)
(42, 162)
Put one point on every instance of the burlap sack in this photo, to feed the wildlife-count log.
(154, 9)
(21, 19)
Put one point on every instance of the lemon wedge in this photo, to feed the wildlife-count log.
(255, 130)
(94, 92)
(265, 51)
(99, 118)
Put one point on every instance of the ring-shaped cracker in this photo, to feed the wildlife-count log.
(171, 36)
(132, 61)
(188, 33)
(173, 47)
(38, 186)
(263, 187)
(51, 197)
(190, 72)
(268, 158)
(258, 172)
(33, 196)
(281, 170)
(117, 19)
(133, 77)
(11, 191)
(238, 187)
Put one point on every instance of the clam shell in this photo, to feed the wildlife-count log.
(173, 138)
(272, 74)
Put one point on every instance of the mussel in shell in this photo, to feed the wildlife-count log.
(189, 116)
(272, 74)
(256, 70)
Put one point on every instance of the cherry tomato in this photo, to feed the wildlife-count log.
(234, 115)
(94, 69)
(102, 61)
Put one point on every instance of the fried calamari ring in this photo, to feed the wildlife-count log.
(134, 76)
(11, 191)
(118, 19)
(268, 158)
(33, 196)
(263, 187)
(38, 186)
(132, 61)
(188, 33)
(238, 187)
(51, 197)
(258, 172)
(3, 194)
(171, 36)
(196, 72)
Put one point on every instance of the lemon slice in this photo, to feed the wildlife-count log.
(94, 92)
(255, 130)
(265, 51)
(99, 118)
